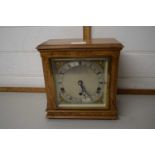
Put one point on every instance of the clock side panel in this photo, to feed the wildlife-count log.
(113, 81)
(49, 84)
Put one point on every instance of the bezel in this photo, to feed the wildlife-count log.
(101, 99)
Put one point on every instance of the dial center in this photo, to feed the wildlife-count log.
(78, 80)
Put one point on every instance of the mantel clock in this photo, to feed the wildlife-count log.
(81, 77)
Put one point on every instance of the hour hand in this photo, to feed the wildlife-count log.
(83, 89)
(80, 83)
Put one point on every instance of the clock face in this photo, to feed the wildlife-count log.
(81, 82)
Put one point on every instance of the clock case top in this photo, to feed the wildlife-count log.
(106, 43)
(78, 48)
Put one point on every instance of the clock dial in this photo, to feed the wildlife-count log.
(81, 82)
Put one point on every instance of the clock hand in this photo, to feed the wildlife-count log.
(80, 83)
(84, 91)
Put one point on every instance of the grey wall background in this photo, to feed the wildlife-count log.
(20, 65)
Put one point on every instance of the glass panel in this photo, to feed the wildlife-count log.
(81, 82)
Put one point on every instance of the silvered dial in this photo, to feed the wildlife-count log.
(80, 82)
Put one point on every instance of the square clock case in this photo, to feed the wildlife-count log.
(81, 77)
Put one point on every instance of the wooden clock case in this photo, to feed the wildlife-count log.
(76, 49)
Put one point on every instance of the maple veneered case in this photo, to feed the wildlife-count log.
(88, 92)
